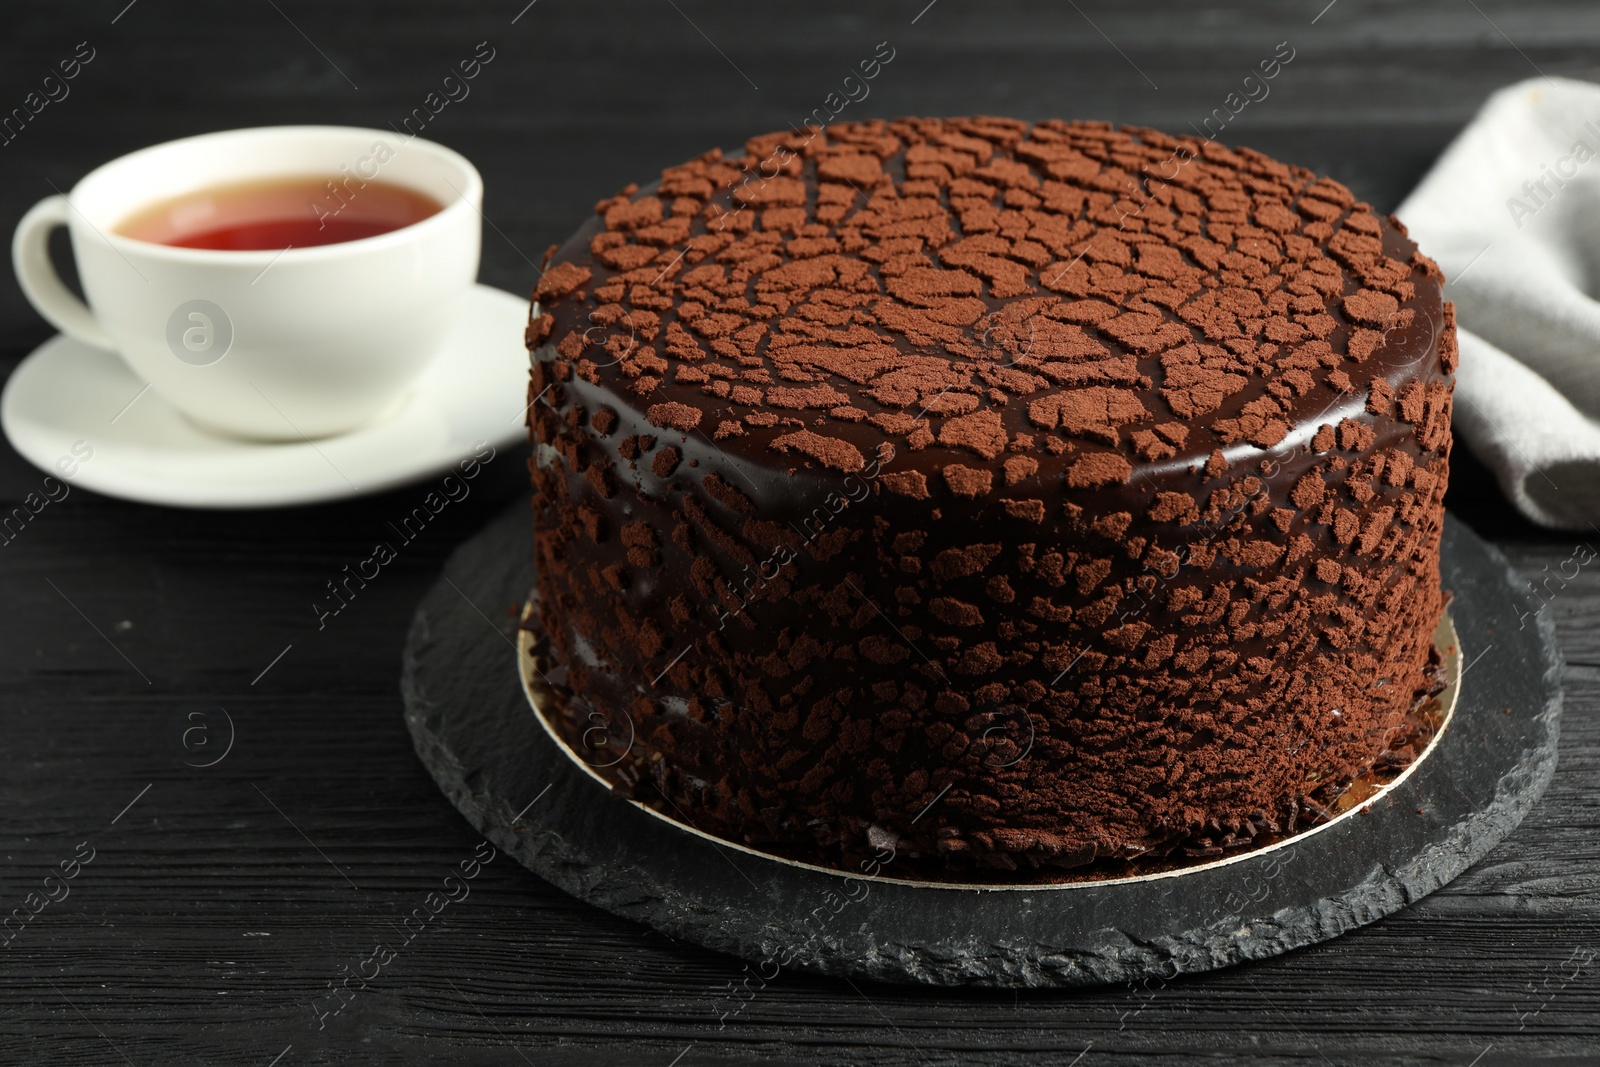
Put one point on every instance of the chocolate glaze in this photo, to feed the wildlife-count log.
(1118, 526)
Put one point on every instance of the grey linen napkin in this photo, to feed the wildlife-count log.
(1511, 211)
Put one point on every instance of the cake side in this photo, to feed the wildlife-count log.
(1033, 528)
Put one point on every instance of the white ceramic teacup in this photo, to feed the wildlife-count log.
(275, 345)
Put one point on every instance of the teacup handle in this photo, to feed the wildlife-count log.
(30, 256)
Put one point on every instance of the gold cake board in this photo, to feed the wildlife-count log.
(1359, 798)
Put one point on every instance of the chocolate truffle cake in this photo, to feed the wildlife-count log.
(1005, 495)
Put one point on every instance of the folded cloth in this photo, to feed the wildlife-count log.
(1511, 211)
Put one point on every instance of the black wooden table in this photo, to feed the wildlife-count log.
(222, 902)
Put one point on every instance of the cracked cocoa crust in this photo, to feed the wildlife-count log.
(1023, 495)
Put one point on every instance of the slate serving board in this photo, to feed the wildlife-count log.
(475, 730)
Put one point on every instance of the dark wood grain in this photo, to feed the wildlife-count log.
(217, 908)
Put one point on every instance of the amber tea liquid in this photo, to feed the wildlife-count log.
(279, 213)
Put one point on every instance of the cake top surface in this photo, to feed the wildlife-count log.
(1066, 296)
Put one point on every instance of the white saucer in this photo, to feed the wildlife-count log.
(67, 392)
